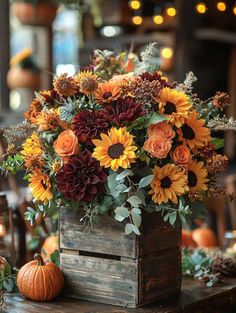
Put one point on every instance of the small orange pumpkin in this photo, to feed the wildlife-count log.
(187, 240)
(49, 246)
(39, 280)
(204, 237)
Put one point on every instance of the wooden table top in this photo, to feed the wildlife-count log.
(195, 298)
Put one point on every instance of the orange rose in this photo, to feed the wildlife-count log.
(181, 155)
(66, 144)
(157, 146)
(163, 129)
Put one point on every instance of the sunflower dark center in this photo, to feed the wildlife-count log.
(43, 184)
(166, 182)
(188, 132)
(107, 95)
(116, 150)
(192, 179)
(169, 108)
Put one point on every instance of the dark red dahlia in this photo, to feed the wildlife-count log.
(89, 125)
(123, 111)
(155, 76)
(81, 178)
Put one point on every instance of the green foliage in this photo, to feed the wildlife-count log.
(7, 276)
(55, 257)
(145, 121)
(13, 164)
(197, 264)
(218, 143)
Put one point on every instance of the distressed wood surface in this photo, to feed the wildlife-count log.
(195, 298)
(104, 265)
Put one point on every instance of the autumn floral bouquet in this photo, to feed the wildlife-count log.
(118, 138)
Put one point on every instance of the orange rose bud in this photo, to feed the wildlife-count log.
(181, 155)
(157, 146)
(66, 144)
(163, 129)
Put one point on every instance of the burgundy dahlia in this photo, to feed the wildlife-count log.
(89, 125)
(81, 178)
(155, 76)
(123, 111)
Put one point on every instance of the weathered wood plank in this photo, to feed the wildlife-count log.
(195, 297)
(107, 238)
(160, 275)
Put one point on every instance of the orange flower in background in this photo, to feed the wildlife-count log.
(65, 86)
(21, 56)
(122, 80)
(157, 146)
(34, 110)
(66, 144)
(107, 92)
(181, 155)
(163, 129)
(50, 120)
(87, 81)
(174, 104)
(193, 133)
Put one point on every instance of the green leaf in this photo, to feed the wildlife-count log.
(8, 284)
(145, 181)
(33, 243)
(128, 229)
(198, 209)
(172, 218)
(136, 210)
(55, 257)
(156, 118)
(124, 174)
(112, 184)
(119, 218)
(102, 209)
(122, 211)
(135, 201)
(136, 219)
(218, 143)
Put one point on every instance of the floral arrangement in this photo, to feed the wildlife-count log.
(24, 59)
(119, 139)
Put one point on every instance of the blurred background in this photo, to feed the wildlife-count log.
(59, 36)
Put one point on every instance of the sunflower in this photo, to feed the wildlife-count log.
(197, 176)
(40, 186)
(169, 182)
(32, 147)
(87, 81)
(21, 56)
(115, 149)
(34, 110)
(107, 92)
(174, 104)
(193, 133)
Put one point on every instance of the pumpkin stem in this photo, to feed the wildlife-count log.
(39, 259)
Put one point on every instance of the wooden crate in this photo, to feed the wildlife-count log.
(105, 265)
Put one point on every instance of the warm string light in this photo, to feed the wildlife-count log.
(137, 20)
(201, 7)
(158, 19)
(171, 11)
(167, 52)
(135, 4)
(234, 9)
(221, 6)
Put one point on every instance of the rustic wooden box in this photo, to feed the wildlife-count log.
(105, 265)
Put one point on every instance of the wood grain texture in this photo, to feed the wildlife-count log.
(195, 298)
(105, 265)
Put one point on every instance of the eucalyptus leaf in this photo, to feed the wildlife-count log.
(124, 174)
(135, 201)
(136, 219)
(145, 181)
(122, 211)
(119, 218)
